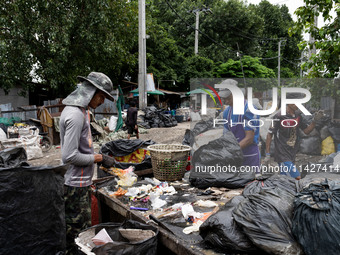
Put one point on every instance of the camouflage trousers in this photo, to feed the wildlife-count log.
(77, 214)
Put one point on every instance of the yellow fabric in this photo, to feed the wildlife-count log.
(135, 157)
(327, 146)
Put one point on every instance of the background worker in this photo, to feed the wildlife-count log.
(131, 120)
(77, 151)
(246, 133)
(286, 137)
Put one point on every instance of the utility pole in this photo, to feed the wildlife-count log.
(301, 71)
(197, 12)
(142, 55)
(279, 61)
(279, 64)
(312, 40)
(196, 31)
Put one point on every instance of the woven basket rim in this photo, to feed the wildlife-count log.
(184, 149)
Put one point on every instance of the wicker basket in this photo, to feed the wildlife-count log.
(169, 161)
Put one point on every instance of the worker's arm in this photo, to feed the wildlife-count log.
(268, 142)
(310, 128)
(248, 139)
(317, 116)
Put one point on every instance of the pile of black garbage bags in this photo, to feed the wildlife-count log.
(311, 144)
(217, 158)
(279, 215)
(275, 214)
(155, 118)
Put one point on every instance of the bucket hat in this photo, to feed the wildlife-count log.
(101, 82)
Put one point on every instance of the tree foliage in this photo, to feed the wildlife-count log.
(252, 68)
(326, 61)
(50, 43)
(54, 41)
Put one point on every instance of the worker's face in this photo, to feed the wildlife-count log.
(229, 100)
(97, 99)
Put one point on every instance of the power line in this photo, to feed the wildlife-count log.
(291, 62)
(199, 30)
(268, 58)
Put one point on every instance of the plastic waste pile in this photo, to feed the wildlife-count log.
(22, 135)
(155, 118)
(279, 215)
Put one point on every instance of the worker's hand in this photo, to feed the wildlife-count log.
(98, 158)
(318, 115)
(266, 160)
(108, 161)
(136, 127)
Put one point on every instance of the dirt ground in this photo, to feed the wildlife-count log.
(159, 135)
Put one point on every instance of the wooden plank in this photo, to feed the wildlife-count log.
(169, 240)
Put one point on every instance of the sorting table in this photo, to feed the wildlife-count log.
(172, 238)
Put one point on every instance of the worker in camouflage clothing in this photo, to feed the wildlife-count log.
(77, 151)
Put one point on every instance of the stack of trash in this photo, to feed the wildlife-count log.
(279, 215)
(22, 135)
(216, 158)
(129, 237)
(155, 118)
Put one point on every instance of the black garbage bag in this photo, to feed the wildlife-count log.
(11, 157)
(156, 120)
(324, 133)
(123, 147)
(307, 119)
(32, 215)
(216, 165)
(144, 125)
(189, 138)
(310, 145)
(316, 221)
(3, 127)
(266, 218)
(224, 150)
(221, 231)
(314, 132)
(324, 121)
(315, 178)
(203, 126)
(150, 112)
(280, 181)
(334, 130)
(121, 245)
(200, 127)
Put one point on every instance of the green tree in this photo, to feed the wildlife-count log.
(276, 23)
(326, 61)
(54, 41)
(252, 68)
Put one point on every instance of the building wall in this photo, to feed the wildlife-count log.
(13, 98)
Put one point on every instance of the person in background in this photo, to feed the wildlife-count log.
(131, 120)
(286, 137)
(246, 133)
(77, 151)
